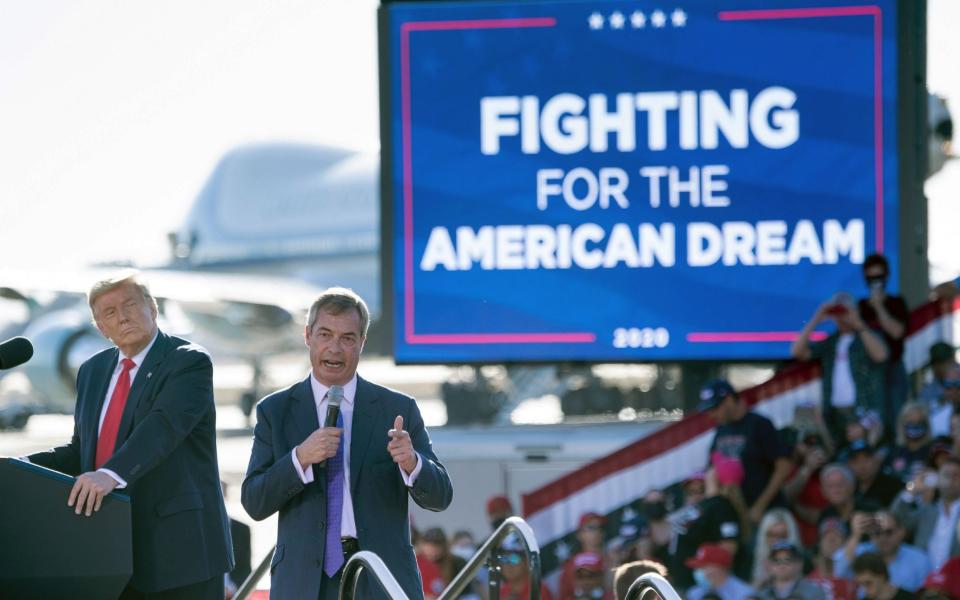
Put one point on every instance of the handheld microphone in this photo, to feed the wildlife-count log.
(334, 398)
(16, 351)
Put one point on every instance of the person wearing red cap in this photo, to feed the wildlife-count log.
(711, 570)
(588, 578)
(590, 535)
(714, 519)
(498, 510)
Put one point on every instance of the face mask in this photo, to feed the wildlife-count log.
(915, 431)
(592, 593)
(700, 576)
(655, 510)
(877, 283)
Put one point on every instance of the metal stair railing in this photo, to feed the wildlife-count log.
(487, 553)
(368, 560)
(250, 583)
(651, 582)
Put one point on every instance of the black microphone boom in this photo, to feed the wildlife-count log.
(334, 398)
(14, 352)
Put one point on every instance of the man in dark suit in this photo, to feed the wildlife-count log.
(145, 424)
(345, 488)
(935, 523)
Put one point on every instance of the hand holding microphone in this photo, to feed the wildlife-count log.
(322, 443)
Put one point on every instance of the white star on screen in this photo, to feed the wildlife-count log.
(628, 515)
(561, 551)
(658, 19)
(638, 20)
(596, 21)
(617, 20)
(678, 17)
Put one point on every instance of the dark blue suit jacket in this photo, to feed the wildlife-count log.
(284, 419)
(167, 453)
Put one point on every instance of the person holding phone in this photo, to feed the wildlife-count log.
(889, 315)
(853, 359)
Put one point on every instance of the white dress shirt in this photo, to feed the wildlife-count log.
(844, 391)
(138, 360)
(938, 548)
(348, 523)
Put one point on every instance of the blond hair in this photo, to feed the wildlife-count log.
(117, 280)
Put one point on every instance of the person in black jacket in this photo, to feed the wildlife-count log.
(145, 424)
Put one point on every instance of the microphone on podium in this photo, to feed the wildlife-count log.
(334, 398)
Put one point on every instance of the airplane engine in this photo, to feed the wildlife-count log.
(62, 341)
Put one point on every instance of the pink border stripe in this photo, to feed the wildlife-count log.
(751, 336)
(503, 338)
(479, 24)
(798, 13)
(410, 335)
(843, 11)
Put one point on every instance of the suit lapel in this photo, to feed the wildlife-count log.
(304, 412)
(365, 408)
(99, 383)
(144, 373)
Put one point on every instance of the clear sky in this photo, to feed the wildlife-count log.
(113, 112)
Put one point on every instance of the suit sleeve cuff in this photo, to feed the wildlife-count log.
(120, 482)
(305, 475)
(410, 479)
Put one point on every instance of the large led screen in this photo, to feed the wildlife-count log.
(630, 180)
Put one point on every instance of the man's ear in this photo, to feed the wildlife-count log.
(100, 329)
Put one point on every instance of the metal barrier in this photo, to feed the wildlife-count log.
(250, 583)
(368, 560)
(651, 581)
(487, 553)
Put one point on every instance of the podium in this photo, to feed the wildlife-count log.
(47, 551)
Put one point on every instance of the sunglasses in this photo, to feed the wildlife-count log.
(883, 532)
(511, 558)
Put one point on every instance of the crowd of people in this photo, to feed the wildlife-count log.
(858, 498)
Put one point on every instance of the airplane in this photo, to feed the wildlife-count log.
(272, 226)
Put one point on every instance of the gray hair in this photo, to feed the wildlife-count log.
(839, 468)
(337, 300)
(117, 280)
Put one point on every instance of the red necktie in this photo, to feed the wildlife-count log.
(107, 439)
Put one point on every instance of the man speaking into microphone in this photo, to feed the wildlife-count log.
(337, 456)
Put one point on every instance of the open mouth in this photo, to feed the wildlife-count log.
(332, 364)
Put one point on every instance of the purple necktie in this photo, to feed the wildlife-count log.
(333, 554)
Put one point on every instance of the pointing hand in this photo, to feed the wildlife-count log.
(401, 448)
